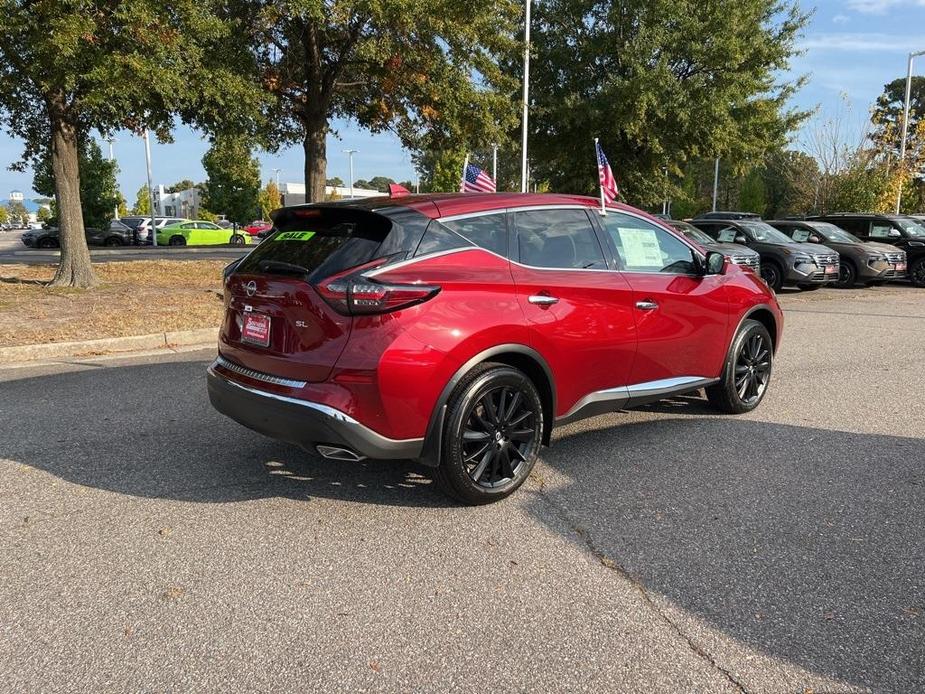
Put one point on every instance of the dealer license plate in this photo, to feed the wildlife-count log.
(256, 329)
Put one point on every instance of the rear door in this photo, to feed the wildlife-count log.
(578, 308)
(681, 316)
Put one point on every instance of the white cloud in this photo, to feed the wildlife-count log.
(880, 6)
(863, 43)
(841, 19)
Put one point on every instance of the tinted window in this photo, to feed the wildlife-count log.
(186, 226)
(438, 238)
(858, 227)
(488, 231)
(880, 230)
(558, 239)
(645, 247)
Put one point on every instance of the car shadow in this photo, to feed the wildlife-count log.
(804, 543)
(150, 431)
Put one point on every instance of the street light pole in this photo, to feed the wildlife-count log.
(276, 171)
(902, 141)
(715, 181)
(523, 145)
(152, 232)
(494, 164)
(110, 140)
(350, 153)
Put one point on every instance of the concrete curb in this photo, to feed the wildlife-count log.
(56, 350)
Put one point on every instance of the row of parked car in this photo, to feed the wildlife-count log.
(169, 231)
(840, 249)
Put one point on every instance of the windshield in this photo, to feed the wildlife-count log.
(911, 227)
(834, 233)
(764, 232)
(694, 233)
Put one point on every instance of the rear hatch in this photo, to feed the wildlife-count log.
(277, 320)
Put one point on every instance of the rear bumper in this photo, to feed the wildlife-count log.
(302, 422)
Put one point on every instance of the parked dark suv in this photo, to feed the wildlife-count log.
(869, 263)
(905, 233)
(459, 329)
(783, 260)
(734, 251)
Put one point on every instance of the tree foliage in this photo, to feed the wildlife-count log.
(99, 190)
(661, 82)
(429, 71)
(67, 67)
(269, 199)
(233, 179)
(17, 212)
(142, 201)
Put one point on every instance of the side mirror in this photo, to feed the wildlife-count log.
(714, 264)
(894, 234)
(740, 238)
(814, 239)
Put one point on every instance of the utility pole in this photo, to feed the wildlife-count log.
(350, 153)
(715, 181)
(902, 141)
(494, 165)
(523, 145)
(152, 232)
(276, 171)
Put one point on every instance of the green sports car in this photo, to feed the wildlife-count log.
(198, 233)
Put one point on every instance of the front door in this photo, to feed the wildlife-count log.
(681, 315)
(578, 308)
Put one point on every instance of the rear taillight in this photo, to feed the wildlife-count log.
(354, 294)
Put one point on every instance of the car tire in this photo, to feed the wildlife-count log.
(237, 240)
(917, 273)
(772, 274)
(492, 435)
(847, 275)
(747, 372)
(176, 241)
(47, 243)
(113, 241)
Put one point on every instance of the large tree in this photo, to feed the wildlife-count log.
(660, 82)
(99, 191)
(67, 67)
(233, 183)
(429, 71)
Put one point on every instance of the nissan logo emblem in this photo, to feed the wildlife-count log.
(250, 288)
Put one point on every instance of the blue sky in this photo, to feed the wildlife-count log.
(851, 49)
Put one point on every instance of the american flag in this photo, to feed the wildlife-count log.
(608, 182)
(476, 181)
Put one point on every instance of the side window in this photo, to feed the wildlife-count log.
(858, 227)
(488, 231)
(190, 225)
(438, 238)
(558, 239)
(709, 229)
(880, 230)
(644, 247)
(800, 235)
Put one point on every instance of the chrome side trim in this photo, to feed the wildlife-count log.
(617, 397)
(426, 256)
(258, 375)
(335, 414)
(667, 386)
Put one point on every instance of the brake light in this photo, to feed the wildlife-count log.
(351, 293)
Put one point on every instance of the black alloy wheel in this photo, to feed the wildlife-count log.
(772, 274)
(917, 273)
(747, 373)
(493, 434)
(237, 240)
(113, 241)
(847, 275)
(177, 241)
(47, 242)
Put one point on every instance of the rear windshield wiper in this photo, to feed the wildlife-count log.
(278, 267)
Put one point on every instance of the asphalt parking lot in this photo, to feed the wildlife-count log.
(146, 543)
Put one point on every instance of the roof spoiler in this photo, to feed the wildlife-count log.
(396, 190)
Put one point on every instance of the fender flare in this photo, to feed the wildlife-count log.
(433, 439)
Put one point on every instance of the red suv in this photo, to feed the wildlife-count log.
(459, 329)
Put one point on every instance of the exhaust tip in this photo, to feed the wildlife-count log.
(339, 453)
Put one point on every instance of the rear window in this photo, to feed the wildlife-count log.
(320, 242)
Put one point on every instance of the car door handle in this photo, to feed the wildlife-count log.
(543, 300)
(646, 305)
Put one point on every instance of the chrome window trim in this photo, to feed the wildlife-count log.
(257, 375)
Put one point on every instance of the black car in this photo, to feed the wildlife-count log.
(118, 234)
(783, 260)
(870, 263)
(904, 232)
(727, 215)
(735, 252)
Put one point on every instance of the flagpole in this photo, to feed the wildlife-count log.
(523, 147)
(599, 184)
(462, 181)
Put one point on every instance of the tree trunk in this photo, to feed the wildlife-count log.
(74, 269)
(316, 159)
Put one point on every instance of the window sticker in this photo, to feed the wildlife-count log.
(640, 248)
(294, 236)
(727, 235)
(800, 235)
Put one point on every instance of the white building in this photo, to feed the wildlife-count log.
(16, 196)
(184, 203)
(294, 193)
